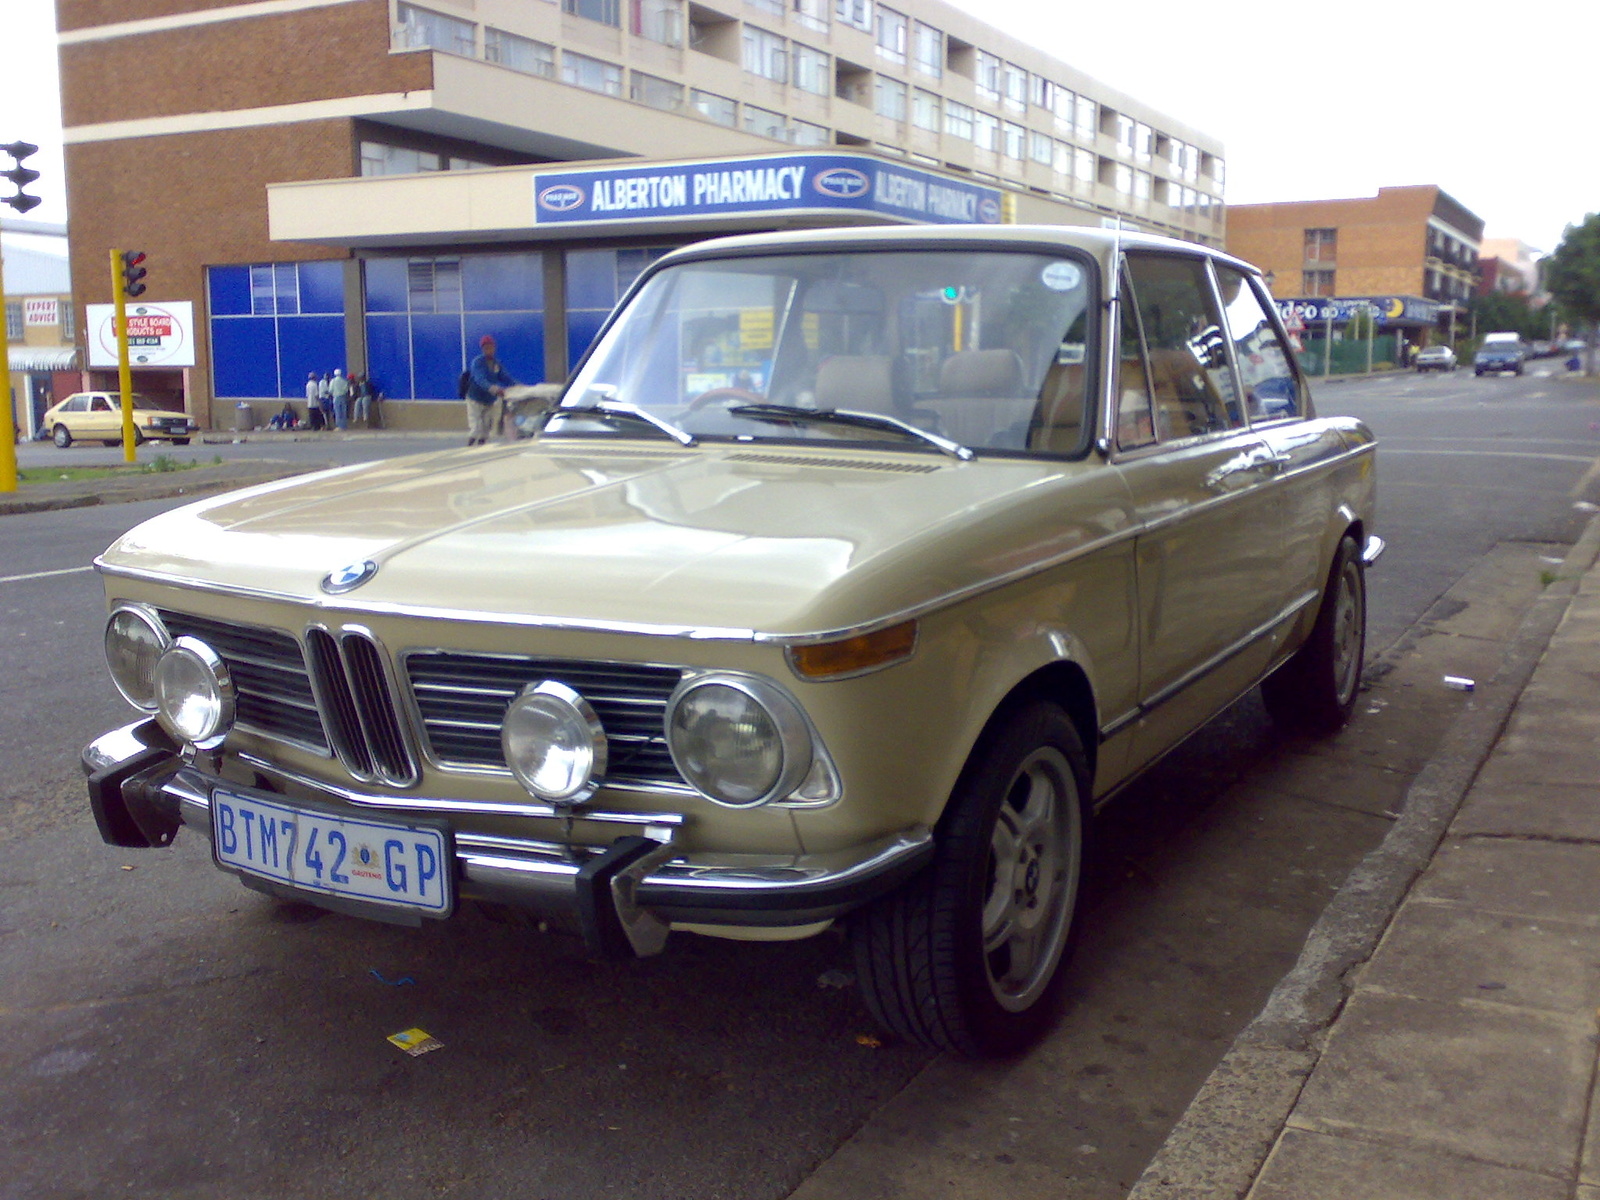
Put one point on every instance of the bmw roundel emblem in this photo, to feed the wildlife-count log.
(349, 577)
(842, 183)
(561, 197)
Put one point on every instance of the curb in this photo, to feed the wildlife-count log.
(1223, 1138)
(144, 488)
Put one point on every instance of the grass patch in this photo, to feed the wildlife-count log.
(161, 464)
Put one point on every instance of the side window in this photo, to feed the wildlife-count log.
(1266, 372)
(1135, 415)
(78, 403)
(1192, 383)
(100, 405)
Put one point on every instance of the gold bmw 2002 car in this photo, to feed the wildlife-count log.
(854, 571)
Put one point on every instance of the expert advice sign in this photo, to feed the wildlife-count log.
(159, 335)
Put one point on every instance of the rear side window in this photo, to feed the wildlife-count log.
(1266, 372)
(1193, 388)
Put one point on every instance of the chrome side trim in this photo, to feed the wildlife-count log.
(1149, 704)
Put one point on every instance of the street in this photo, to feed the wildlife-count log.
(168, 1033)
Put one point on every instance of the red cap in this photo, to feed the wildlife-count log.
(486, 340)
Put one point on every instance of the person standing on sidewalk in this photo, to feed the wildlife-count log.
(485, 388)
(313, 412)
(339, 392)
(360, 400)
(325, 399)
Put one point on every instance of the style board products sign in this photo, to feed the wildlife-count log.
(768, 184)
(159, 335)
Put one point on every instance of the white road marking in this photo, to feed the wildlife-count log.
(43, 574)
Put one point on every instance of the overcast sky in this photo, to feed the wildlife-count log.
(1310, 101)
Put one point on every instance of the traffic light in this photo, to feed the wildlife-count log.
(20, 175)
(133, 273)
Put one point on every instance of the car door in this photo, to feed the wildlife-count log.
(1210, 541)
(103, 421)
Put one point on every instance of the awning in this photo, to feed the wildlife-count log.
(43, 358)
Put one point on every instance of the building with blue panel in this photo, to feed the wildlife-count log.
(510, 169)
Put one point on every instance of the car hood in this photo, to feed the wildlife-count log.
(714, 540)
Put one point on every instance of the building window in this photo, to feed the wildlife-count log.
(718, 109)
(658, 21)
(378, 158)
(604, 11)
(1039, 147)
(804, 133)
(657, 93)
(434, 284)
(925, 110)
(1083, 166)
(421, 29)
(591, 74)
(813, 14)
(519, 53)
(810, 70)
(927, 50)
(891, 35)
(854, 12)
(1122, 179)
(69, 320)
(13, 320)
(1124, 134)
(889, 98)
(766, 54)
(1316, 283)
(1014, 84)
(1322, 245)
(986, 75)
(1143, 141)
(958, 120)
(764, 123)
(985, 131)
(1141, 185)
(1087, 119)
(775, 7)
(1012, 139)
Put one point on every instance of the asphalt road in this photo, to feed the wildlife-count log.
(169, 1034)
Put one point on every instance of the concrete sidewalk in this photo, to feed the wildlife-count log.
(1437, 1039)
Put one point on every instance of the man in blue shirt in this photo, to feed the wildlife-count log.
(488, 384)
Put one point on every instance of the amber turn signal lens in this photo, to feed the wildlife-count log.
(853, 655)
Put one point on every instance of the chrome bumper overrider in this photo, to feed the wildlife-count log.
(623, 896)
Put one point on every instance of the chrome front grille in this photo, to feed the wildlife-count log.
(269, 671)
(462, 701)
(359, 706)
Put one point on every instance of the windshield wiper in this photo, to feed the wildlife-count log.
(848, 416)
(606, 406)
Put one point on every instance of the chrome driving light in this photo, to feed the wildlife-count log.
(135, 640)
(554, 743)
(194, 694)
(737, 739)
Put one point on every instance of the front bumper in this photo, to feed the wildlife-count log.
(623, 896)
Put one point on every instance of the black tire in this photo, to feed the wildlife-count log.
(967, 956)
(111, 441)
(61, 436)
(1316, 690)
(180, 441)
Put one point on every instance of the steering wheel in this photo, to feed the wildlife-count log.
(739, 395)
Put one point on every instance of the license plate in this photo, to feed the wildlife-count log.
(384, 862)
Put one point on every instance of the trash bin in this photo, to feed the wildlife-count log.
(243, 419)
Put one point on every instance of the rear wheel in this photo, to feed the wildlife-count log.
(966, 956)
(62, 436)
(1316, 689)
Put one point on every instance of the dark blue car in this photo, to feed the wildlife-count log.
(1498, 358)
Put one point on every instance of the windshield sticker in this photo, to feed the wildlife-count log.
(1061, 276)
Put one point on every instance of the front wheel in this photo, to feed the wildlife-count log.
(1316, 689)
(966, 957)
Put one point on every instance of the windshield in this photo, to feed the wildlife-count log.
(927, 349)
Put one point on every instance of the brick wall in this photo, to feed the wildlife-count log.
(313, 54)
(140, 194)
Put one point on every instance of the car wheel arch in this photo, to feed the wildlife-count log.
(1063, 682)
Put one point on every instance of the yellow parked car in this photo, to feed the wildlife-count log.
(853, 572)
(97, 416)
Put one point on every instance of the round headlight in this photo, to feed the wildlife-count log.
(135, 640)
(554, 743)
(194, 693)
(737, 740)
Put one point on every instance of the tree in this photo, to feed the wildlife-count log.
(1508, 311)
(1574, 275)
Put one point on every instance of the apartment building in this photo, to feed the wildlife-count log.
(1411, 250)
(371, 183)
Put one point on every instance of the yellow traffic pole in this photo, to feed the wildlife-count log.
(8, 443)
(124, 371)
